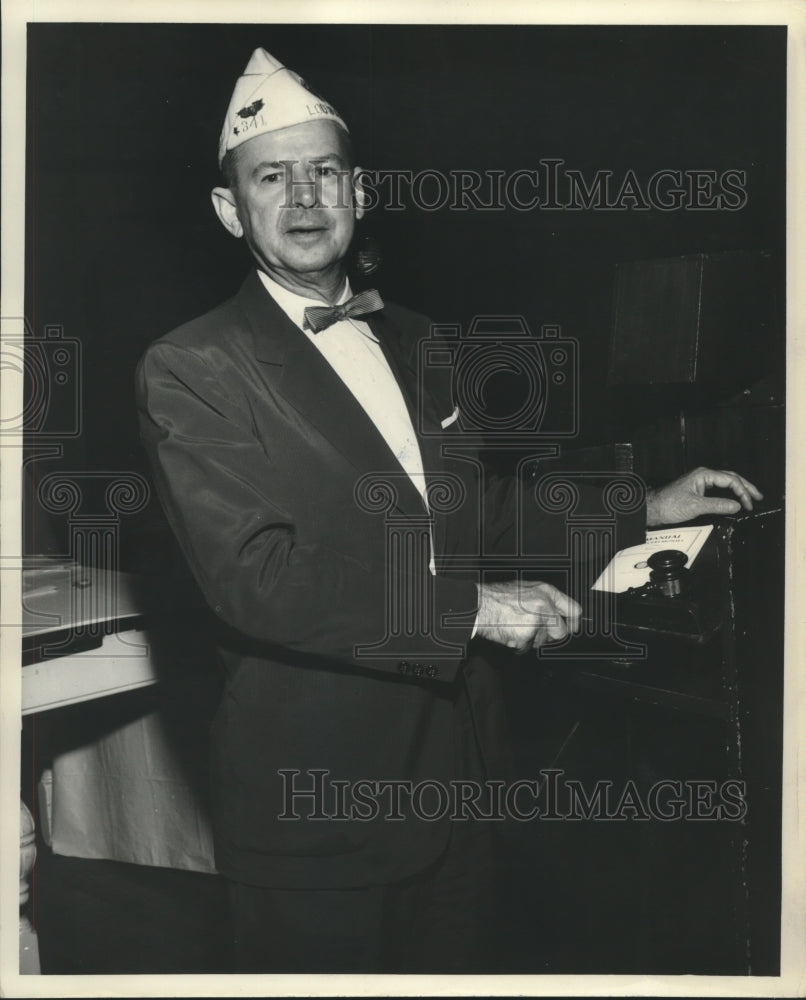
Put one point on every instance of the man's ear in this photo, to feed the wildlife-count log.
(360, 196)
(226, 209)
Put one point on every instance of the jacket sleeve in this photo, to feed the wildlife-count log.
(235, 524)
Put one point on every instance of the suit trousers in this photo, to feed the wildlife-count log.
(440, 920)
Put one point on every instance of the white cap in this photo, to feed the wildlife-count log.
(269, 97)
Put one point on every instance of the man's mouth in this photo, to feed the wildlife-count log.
(306, 227)
(306, 235)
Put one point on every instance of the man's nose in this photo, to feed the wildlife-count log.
(304, 192)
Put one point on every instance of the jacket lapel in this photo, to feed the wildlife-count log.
(305, 379)
(423, 413)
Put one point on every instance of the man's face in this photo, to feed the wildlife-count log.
(293, 200)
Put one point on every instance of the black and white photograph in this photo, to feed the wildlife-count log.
(397, 540)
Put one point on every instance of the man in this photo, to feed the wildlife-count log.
(281, 433)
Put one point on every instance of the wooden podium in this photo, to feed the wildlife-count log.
(704, 710)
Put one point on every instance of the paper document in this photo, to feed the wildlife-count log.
(628, 568)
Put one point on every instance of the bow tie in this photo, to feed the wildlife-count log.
(318, 318)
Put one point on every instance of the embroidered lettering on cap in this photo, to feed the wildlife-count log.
(320, 109)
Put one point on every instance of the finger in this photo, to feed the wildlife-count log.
(739, 487)
(554, 622)
(564, 605)
(540, 638)
(725, 479)
(519, 637)
(551, 618)
(749, 487)
(718, 505)
(526, 646)
(556, 629)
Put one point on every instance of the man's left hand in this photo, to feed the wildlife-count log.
(685, 498)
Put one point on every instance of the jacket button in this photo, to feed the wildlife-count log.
(403, 666)
(418, 670)
(431, 670)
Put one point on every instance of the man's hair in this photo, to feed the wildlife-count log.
(229, 168)
(229, 165)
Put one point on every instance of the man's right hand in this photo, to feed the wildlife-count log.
(525, 615)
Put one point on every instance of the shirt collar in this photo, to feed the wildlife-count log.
(294, 305)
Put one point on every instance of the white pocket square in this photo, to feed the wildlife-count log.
(451, 419)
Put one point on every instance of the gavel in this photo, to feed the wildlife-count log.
(668, 575)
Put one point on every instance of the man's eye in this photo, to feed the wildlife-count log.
(325, 171)
(270, 178)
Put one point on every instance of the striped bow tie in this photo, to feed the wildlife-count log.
(318, 318)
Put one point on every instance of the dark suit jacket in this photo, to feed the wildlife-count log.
(259, 454)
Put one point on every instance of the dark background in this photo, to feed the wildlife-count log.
(121, 155)
(122, 245)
